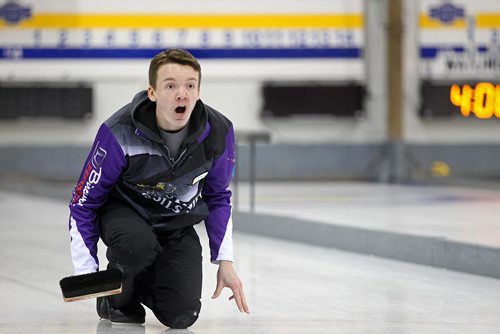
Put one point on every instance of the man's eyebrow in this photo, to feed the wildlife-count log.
(173, 79)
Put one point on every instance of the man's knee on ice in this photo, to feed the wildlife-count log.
(182, 319)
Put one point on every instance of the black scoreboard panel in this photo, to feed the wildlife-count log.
(45, 99)
(461, 99)
(285, 99)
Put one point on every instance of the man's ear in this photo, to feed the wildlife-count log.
(151, 94)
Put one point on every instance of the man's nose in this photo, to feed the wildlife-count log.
(181, 94)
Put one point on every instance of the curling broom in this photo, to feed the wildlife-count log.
(98, 284)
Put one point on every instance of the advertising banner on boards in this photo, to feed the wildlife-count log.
(459, 39)
(214, 29)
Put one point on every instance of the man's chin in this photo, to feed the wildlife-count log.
(181, 122)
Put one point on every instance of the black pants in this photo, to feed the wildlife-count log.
(162, 270)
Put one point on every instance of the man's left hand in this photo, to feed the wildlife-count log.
(227, 278)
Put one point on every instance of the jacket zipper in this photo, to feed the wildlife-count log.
(179, 158)
(166, 153)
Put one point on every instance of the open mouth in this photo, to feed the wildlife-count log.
(180, 110)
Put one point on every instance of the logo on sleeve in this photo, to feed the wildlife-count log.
(91, 176)
(98, 156)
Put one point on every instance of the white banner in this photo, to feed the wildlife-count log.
(460, 39)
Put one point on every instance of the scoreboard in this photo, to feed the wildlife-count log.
(460, 58)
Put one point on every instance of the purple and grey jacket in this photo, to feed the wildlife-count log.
(128, 162)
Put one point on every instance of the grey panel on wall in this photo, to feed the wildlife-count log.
(472, 160)
(314, 161)
(286, 161)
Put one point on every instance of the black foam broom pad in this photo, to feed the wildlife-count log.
(86, 284)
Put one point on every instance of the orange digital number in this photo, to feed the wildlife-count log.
(461, 98)
(483, 100)
(497, 101)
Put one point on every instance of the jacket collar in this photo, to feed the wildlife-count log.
(143, 114)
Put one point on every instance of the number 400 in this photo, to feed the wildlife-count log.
(483, 100)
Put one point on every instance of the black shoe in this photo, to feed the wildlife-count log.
(102, 307)
(130, 314)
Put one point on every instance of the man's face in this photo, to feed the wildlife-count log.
(176, 93)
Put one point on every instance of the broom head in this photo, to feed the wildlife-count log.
(98, 284)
